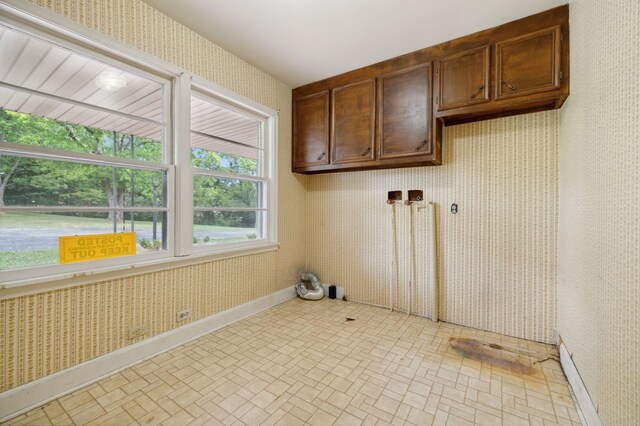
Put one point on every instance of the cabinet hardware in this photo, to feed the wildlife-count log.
(561, 76)
(513, 89)
(366, 152)
(321, 155)
(480, 89)
(423, 143)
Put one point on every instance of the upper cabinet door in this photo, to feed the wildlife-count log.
(311, 130)
(353, 122)
(404, 112)
(463, 79)
(528, 64)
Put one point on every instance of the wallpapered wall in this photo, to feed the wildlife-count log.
(497, 256)
(45, 333)
(599, 236)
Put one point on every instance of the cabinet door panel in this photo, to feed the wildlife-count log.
(528, 64)
(353, 122)
(404, 113)
(463, 79)
(311, 130)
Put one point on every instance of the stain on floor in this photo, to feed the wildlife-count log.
(513, 359)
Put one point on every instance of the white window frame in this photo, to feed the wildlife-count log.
(267, 177)
(40, 22)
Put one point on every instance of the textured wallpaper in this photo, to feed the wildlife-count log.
(48, 332)
(599, 224)
(497, 256)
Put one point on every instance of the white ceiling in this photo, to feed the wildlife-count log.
(301, 41)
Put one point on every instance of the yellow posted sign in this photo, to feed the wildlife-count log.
(96, 246)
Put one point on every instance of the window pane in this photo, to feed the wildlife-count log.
(228, 208)
(216, 227)
(216, 192)
(218, 121)
(34, 182)
(223, 139)
(245, 162)
(41, 79)
(31, 239)
(19, 128)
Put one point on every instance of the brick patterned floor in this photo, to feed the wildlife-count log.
(302, 363)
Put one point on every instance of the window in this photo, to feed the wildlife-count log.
(229, 182)
(90, 145)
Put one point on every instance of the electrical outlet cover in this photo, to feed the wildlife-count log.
(183, 315)
(137, 331)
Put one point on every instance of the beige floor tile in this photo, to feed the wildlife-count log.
(300, 413)
(232, 403)
(282, 367)
(255, 416)
(339, 399)
(89, 414)
(114, 417)
(263, 399)
(289, 420)
(347, 419)
(31, 418)
(321, 418)
(371, 390)
(62, 420)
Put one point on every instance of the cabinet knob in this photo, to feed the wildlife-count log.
(366, 151)
(513, 89)
(480, 89)
(321, 156)
(423, 143)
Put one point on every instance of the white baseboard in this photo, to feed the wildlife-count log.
(586, 408)
(19, 400)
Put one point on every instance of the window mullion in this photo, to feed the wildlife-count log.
(183, 236)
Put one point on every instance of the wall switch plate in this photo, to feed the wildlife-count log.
(137, 331)
(183, 315)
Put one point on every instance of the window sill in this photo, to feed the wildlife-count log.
(41, 284)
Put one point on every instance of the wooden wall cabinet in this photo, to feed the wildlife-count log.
(514, 71)
(311, 131)
(404, 113)
(529, 64)
(353, 114)
(464, 79)
(380, 122)
(393, 114)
